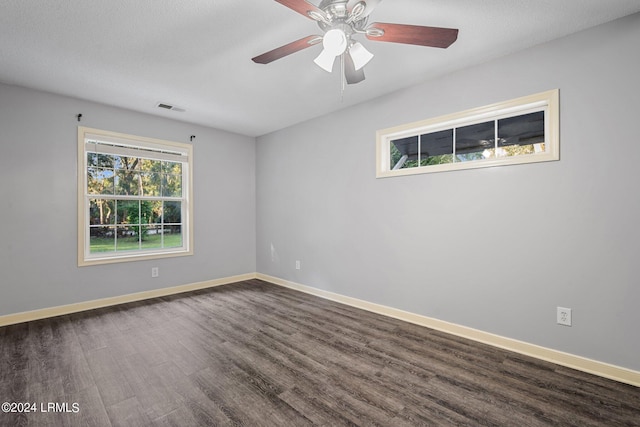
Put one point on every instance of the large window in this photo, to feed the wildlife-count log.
(134, 197)
(523, 130)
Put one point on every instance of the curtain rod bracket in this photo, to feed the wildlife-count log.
(79, 116)
(191, 138)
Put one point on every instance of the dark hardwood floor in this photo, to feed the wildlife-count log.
(256, 354)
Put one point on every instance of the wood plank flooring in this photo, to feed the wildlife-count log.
(256, 354)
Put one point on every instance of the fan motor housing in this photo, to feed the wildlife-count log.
(336, 11)
(337, 8)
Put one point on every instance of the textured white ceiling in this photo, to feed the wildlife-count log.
(197, 54)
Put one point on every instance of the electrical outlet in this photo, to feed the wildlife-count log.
(297, 264)
(564, 316)
(155, 272)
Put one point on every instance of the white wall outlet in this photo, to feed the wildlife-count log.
(155, 272)
(297, 264)
(564, 316)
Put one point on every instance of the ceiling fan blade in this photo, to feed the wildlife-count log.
(412, 34)
(287, 49)
(370, 5)
(352, 75)
(303, 7)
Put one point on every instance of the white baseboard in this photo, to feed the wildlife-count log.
(43, 313)
(595, 367)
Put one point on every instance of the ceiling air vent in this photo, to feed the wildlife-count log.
(170, 107)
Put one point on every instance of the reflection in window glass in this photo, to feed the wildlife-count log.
(522, 130)
(436, 148)
(527, 129)
(473, 140)
(521, 135)
(404, 153)
(518, 135)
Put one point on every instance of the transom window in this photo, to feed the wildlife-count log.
(134, 197)
(523, 130)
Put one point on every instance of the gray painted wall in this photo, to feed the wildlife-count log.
(38, 254)
(494, 249)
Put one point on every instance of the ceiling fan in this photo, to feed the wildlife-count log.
(341, 21)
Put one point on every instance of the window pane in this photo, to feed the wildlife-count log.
(128, 211)
(99, 181)
(521, 134)
(102, 239)
(436, 148)
(156, 212)
(473, 140)
(527, 129)
(148, 165)
(100, 160)
(101, 212)
(172, 236)
(171, 167)
(117, 164)
(404, 153)
(127, 163)
(172, 212)
(152, 237)
(394, 155)
(151, 183)
(128, 183)
(146, 211)
(172, 185)
(127, 239)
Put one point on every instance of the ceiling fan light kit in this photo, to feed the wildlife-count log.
(340, 21)
(334, 43)
(360, 55)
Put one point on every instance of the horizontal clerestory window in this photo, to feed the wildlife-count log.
(523, 130)
(133, 197)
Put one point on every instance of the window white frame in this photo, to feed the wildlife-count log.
(547, 102)
(113, 143)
